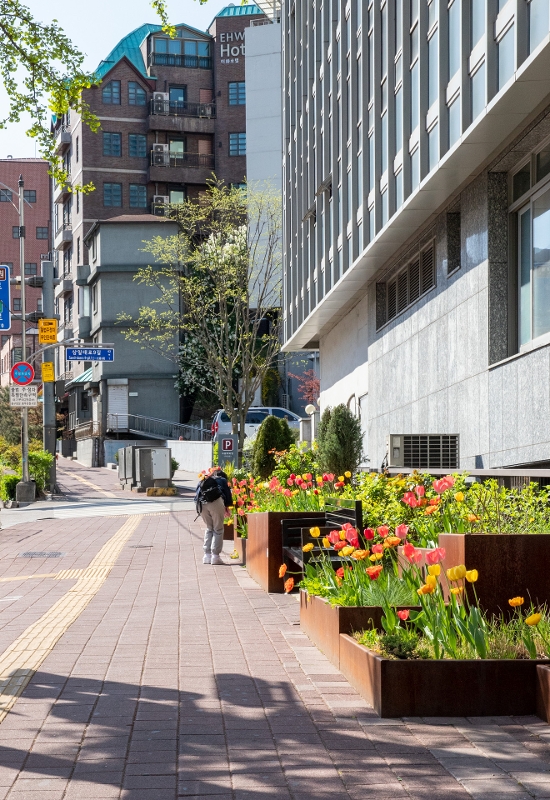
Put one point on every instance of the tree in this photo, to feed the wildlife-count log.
(309, 385)
(219, 295)
(10, 420)
(340, 441)
(41, 72)
(274, 435)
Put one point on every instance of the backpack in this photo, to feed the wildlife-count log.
(208, 490)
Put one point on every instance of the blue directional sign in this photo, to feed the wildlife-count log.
(5, 313)
(90, 354)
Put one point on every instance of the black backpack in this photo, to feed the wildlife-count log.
(208, 490)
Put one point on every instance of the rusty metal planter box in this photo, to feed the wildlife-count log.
(509, 565)
(264, 547)
(240, 546)
(444, 688)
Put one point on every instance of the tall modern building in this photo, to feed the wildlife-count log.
(37, 214)
(172, 113)
(417, 219)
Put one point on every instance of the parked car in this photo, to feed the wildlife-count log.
(221, 422)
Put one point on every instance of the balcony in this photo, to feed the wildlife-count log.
(62, 192)
(180, 167)
(84, 327)
(62, 140)
(182, 117)
(178, 60)
(63, 236)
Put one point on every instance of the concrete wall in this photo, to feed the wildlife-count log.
(191, 456)
(84, 451)
(112, 446)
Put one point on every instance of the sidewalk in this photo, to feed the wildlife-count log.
(183, 680)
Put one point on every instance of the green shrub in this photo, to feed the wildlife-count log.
(270, 387)
(174, 465)
(274, 435)
(7, 486)
(340, 441)
(215, 453)
(39, 468)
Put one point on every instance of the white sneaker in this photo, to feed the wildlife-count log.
(206, 558)
(215, 559)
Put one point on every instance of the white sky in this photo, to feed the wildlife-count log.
(95, 28)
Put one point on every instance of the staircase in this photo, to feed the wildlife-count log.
(156, 428)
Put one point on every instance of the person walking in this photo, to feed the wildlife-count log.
(213, 499)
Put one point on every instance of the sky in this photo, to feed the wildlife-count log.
(95, 34)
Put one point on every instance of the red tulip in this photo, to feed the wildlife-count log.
(330, 477)
(402, 531)
(383, 531)
(340, 544)
(435, 556)
(412, 554)
(368, 533)
(340, 572)
(374, 572)
(403, 615)
(420, 491)
(409, 498)
(377, 548)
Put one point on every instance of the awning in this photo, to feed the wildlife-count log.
(84, 378)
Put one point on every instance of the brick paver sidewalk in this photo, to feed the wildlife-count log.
(180, 679)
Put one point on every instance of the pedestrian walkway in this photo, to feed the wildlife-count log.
(172, 679)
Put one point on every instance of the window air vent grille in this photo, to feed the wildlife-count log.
(392, 299)
(430, 451)
(417, 278)
(414, 281)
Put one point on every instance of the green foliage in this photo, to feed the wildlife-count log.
(7, 486)
(39, 468)
(501, 510)
(10, 418)
(270, 387)
(297, 460)
(174, 465)
(215, 453)
(401, 643)
(340, 441)
(323, 425)
(274, 435)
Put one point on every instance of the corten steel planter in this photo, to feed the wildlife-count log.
(324, 623)
(228, 532)
(543, 692)
(445, 688)
(508, 564)
(240, 546)
(264, 546)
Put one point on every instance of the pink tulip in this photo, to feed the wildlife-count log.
(420, 491)
(403, 615)
(289, 481)
(377, 548)
(409, 498)
(435, 556)
(354, 541)
(351, 533)
(383, 531)
(368, 533)
(412, 554)
(402, 531)
(333, 537)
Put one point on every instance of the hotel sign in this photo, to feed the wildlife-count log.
(231, 47)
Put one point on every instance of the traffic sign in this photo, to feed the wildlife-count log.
(23, 396)
(227, 445)
(5, 312)
(90, 354)
(22, 373)
(47, 331)
(48, 372)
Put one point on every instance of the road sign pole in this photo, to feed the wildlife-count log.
(25, 412)
(48, 388)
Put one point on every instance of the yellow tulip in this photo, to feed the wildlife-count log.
(516, 601)
(347, 551)
(326, 542)
(376, 556)
(434, 569)
(431, 580)
(472, 575)
(307, 547)
(460, 572)
(426, 589)
(342, 536)
(347, 474)
(459, 497)
(457, 589)
(341, 478)
(451, 574)
(359, 555)
(315, 532)
(534, 619)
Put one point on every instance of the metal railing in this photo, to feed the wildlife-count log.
(176, 109)
(87, 429)
(65, 226)
(176, 60)
(156, 428)
(194, 160)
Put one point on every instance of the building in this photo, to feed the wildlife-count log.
(416, 197)
(172, 113)
(37, 193)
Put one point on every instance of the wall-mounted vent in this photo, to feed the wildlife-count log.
(423, 451)
(405, 288)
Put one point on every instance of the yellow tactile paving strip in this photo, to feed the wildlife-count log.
(93, 485)
(25, 655)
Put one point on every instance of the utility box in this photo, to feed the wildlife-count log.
(126, 466)
(143, 467)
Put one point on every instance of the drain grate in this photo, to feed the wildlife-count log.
(42, 554)
(140, 546)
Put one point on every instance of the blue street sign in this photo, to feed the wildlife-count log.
(90, 354)
(5, 312)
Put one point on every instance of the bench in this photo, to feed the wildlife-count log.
(295, 532)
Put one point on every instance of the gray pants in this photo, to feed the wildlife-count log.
(213, 515)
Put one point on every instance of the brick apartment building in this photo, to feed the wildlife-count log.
(37, 244)
(172, 113)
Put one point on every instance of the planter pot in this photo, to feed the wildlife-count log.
(440, 688)
(264, 548)
(228, 532)
(509, 565)
(240, 546)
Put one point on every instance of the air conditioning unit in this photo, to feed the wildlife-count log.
(160, 201)
(161, 103)
(161, 155)
(423, 451)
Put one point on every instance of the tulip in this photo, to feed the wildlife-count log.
(377, 548)
(308, 547)
(347, 474)
(534, 619)
(376, 556)
(350, 533)
(383, 531)
(410, 499)
(435, 556)
(459, 497)
(457, 590)
(359, 555)
(289, 585)
(403, 615)
(340, 572)
(516, 601)
(472, 518)
(282, 570)
(340, 546)
(434, 569)
(426, 589)
(472, 575)
(431, 580)
(420, 491)
(412, 554)
(315, 532)
(435, 501)
(347, 551)
(342, 535)
(330, 477)
(326, 542)
(354, 541)
(429, 510)
(374, 572)
(290, 481)
(341, 478)
(333, 537)
(401, 531)
(393, 541)
(368, 533)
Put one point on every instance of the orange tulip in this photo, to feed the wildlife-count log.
(282, 570)
(374, 572)
(289, 585)
(516, 601)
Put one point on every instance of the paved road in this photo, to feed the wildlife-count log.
(129, 670)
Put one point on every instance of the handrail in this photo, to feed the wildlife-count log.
(157, 428)
(173, 159)
(182, 109)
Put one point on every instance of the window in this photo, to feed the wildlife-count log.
(77, 149)
(506, 57)
(137, 145)
(94, 298)
(31, 269)
(39, 304)
(138, 196)
(5, 196)
(17, 304)
(477, 16)
(112, 144)
(410, 283)
(454, 38)
(111, 93)
(237, 144)
(78, 250)
(177, 196)
(538, 22)
(433, 147)
(136, 94)
(237, 93)
(84, 399)
(177, 95)
(112, 195)
(15, 232)
(29, 195)
(41, 233)
(433, 68)
(478, 92)
(454, 121)
(534, 268)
